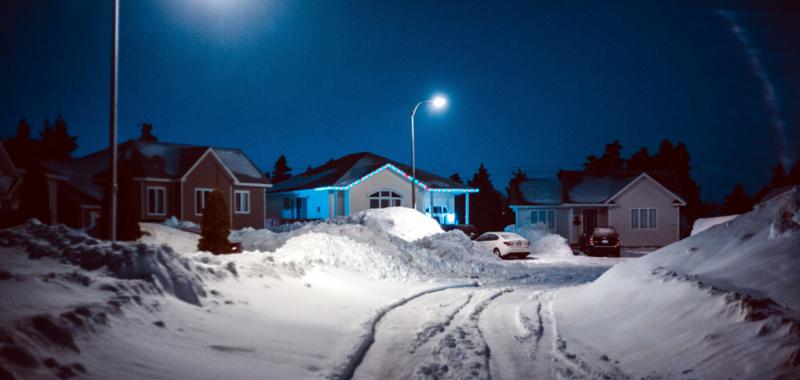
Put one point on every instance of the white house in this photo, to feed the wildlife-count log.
(362, 181)
(643, 210)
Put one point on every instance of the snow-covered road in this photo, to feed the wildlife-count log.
(482, 333)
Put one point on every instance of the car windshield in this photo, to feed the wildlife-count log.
(510, 236)
(605, 231)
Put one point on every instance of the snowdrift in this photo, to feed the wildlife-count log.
(403, 222)
(158, 265)
(703, 224)
(543, 242)
(722, 303)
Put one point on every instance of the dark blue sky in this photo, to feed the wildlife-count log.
(531, 85)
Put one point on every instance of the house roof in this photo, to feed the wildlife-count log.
(347, 170)
(776, 192)
(153, 160)
(582, 187)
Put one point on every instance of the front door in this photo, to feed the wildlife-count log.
(302, 204)
(589, 220)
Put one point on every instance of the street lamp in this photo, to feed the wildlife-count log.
(438, 102)
(113, 121)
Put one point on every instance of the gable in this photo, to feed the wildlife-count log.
(646, 191)
(208, 166)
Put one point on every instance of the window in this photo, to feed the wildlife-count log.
(384, 198)
(241, 201)
(488, 237)
(643, 218)
(546, 217)
(200, 200)
(156, 198)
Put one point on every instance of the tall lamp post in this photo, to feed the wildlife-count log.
(438, 102)
(113, 122)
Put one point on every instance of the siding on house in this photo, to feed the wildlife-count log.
(645, 194)
(208, 174)
(385, 180)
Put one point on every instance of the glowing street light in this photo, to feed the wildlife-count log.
(438, 102)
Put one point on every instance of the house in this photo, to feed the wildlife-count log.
(11, 178)
(644, 210)
(171, 180)
(362, 181)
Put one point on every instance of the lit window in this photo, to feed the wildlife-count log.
(383, 199)
(156, 198)
(241, 201)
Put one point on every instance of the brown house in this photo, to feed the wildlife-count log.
(171, 180)
(11, 178)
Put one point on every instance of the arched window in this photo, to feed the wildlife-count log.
(384, 198)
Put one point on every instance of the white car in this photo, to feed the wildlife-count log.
(505, 244)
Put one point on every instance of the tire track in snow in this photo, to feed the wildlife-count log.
(431, 331)
(346, 370)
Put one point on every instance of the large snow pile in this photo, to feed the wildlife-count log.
(375, 253)
(403, 222)
(159, 266)
(543, 242)
(720, 304)
(703, 224)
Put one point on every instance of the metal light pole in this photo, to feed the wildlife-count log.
(437, 102)
(113, 121)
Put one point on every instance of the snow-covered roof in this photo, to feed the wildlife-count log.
(346, 170)
(541, 191)
(151, 160)
(582, 187)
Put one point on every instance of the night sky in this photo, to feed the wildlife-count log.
(536, 85)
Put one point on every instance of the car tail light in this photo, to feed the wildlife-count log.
(508, 243)
(591, 240)
(619, 243)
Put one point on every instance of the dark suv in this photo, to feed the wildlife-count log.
(603, 241)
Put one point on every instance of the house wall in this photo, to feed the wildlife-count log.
(255, 218)
(317, 204)
(172, 200)
(385, 180)
(645, 194)
(210, 174)
(562, 221)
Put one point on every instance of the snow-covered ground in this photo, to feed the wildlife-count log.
(387, 294)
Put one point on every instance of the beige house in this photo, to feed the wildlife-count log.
(643, 209)
(363, 181)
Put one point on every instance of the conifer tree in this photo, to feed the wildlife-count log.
(215, 225)
(281, 171)
(738, 202)
(486, 207)
(514, 194)
(35, 195)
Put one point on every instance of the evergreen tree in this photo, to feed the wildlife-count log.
(63, 144)
(514, 194)
(486, 207)
(215, 226)
(281, 171)
(21, 147)
(611, 160)
(35, 195)
(147, 133)
(779, 177)
(46, 145)
(640, 161)
(794, 174)
(455, 177)
(738, 202)
(127, 208)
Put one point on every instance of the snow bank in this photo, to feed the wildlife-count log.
(722, 303)
(158, 265)
(543, 242)
(703, 224)
(403, 222)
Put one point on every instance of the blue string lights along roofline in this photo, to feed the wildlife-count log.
(401, 173)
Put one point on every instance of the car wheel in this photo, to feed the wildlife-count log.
(497, 253)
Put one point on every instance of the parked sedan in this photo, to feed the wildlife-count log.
(505, 244)
(603, 241)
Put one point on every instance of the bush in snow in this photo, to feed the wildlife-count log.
(215, 226)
